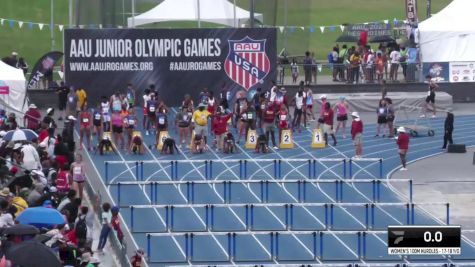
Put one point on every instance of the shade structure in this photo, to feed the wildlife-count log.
(214, 11)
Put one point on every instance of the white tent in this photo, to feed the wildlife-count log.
(13, 80)
(215, 11)
(449, 35)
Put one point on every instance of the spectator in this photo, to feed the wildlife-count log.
(68, 133)
(6, 218)
(11, 60)
(355, 62)
(48, 78)
(22, 65)
(395, 57)
(448, 129)
(106, 220)
(11, 123)
(81, 226)
(73, 209)
(333, 61)
(294, 68)
(62, 92)
(403, 55)
(116, 223)
(69, 197)
(32, 118)
(314, 68)
(379, 65)
(307, 67)
(31, 159)
(35, 196)
(19, 201)
(48, 120)
(403, 145)
(64, 180)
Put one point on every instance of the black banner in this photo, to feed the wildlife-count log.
(176, 61)
(43, 66)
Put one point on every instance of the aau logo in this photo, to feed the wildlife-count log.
(247, 63)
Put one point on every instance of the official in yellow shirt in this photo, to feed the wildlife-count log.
(82, 98)
(200, 119)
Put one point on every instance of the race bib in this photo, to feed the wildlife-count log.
(283, 117)
(152, 109)
(428, 93)
(161, 120)
(71, 99)
(185, 117)
(97, 116)
(85, 120)
(77, 170)
(249, 116)
(190, 114)
(203, 117)
(381, 111)
(263, 106)
(131, 122)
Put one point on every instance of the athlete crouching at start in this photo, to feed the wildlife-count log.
(198, 144)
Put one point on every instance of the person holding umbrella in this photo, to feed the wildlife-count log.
(403, 145)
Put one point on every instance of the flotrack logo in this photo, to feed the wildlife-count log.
(247, 63)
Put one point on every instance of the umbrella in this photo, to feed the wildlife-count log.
(32, 254)
(20, 135)
(382, 39)
(345, 38)
(41, 217)
(21, 229)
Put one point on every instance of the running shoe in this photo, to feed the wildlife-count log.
(403, 169)
(276, 148)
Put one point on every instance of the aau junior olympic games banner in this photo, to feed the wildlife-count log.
(177, 61)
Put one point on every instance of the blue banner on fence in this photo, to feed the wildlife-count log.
(176, 61)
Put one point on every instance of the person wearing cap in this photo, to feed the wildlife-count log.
(5, 194)
(85, 123)
(342, 109)
(11, 60)
(48, 120)
(200, 121)
(357, 134)
(403, 145)
(32, 118)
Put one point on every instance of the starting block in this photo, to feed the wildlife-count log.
(251, 140)
(287, 140)
(161, 139)
(318, 141)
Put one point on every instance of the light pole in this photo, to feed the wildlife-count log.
(51, 26)
(429, 8)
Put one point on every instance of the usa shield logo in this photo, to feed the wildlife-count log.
(247, 63)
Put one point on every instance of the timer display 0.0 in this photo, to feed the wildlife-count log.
(424, 236)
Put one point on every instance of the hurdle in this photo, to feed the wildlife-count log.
(273, 245)
(172, 166)
(373, 160)
(250, 210)
(227, 185)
